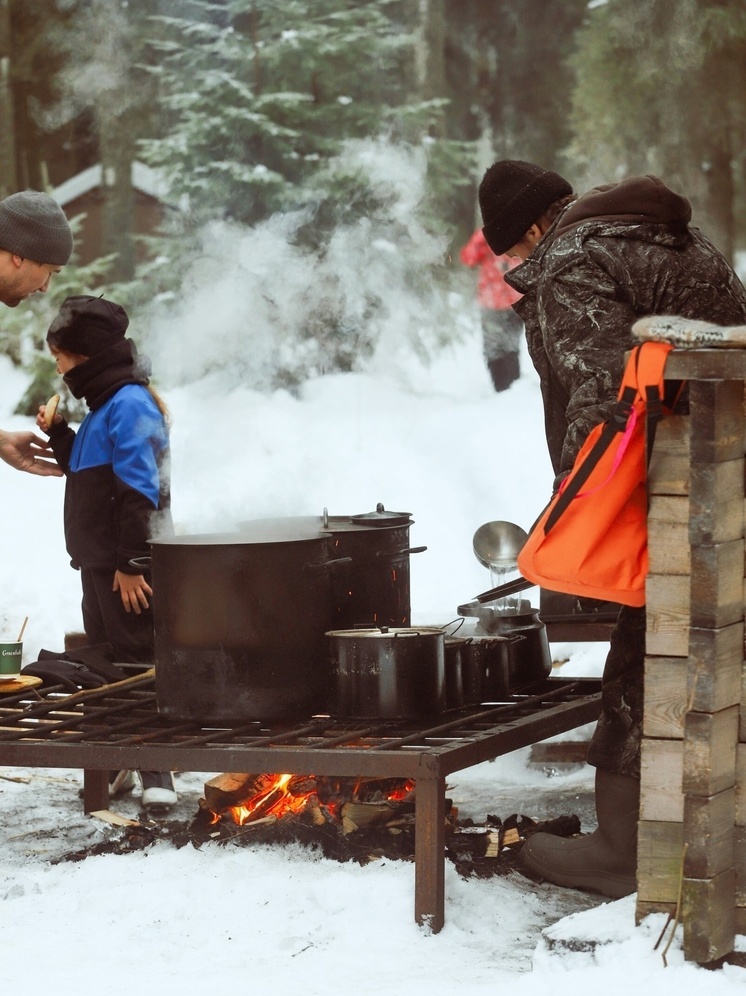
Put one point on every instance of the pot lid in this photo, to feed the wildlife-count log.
(385, 632)
(381, 517)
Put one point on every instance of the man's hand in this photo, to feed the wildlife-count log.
(134, 590)
(25, 451)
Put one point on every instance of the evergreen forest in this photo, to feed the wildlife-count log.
(355, 131)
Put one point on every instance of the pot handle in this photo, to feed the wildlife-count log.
(386, 555)
(143, 562)
(509, 588)
(319, 568)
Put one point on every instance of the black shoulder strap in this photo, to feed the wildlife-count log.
(615, 424)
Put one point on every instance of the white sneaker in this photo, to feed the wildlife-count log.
(158, 792)
(120, 782)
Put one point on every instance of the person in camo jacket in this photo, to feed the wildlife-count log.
(590, 266)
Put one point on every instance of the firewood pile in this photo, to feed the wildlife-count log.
(344, 819)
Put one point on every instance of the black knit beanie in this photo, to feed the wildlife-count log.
(34, 226)
(512, 196)
(86, 325)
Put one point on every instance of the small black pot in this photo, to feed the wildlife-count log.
(387, 673)
(485, 666)
(454, 671)
(531, 656)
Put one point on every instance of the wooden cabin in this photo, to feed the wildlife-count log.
(84, 193)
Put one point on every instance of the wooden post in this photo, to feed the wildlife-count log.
(693, 811)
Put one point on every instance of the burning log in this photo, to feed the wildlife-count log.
(248, 797)
(362, 814)
(257, 794)
(226, 790)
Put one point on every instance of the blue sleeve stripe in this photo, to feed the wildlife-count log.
(129, 434)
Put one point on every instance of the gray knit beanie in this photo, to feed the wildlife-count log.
(34, 226)
(513, 195)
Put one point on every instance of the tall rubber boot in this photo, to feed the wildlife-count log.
(604, 861)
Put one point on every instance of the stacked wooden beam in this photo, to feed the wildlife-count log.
(692, 832)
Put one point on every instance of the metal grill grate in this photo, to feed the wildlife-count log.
(118, 726)
(127, 717)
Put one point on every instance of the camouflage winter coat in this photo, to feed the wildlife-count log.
(617, 253)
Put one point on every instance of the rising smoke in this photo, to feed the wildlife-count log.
(266, 311)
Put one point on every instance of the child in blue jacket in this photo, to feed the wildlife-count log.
(117, 492)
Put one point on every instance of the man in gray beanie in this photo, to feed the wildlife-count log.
(35, 243)
(590, 266)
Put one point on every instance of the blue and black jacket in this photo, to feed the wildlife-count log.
(116, 464)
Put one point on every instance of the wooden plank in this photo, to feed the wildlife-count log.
(709, 748)
(706, 364)
(709, 832)
(646, 909)
(559, 752)
(717, 583)
(661, 764)
(716, 501)
(668, 535)
(708, 913)
(667, 599)
(739, 839)
(665, 698)
(668, 473)
(588, 630)
(742, 727)
(716, 667)
(741, 785)
(660, 848)
(717, 421)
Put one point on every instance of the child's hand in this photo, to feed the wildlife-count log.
(48, 416)
(134, 590)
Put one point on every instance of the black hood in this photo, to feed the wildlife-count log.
(636, 200)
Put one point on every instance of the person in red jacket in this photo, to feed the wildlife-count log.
(501, 326)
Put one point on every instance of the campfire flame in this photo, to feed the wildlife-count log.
(274, 798)
(283, 795)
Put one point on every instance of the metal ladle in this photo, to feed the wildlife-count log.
(497, 545)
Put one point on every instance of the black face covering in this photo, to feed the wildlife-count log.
(102, 375)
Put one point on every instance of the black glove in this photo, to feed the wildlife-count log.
(68, 673)
(95, 657)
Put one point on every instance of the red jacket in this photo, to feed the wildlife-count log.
(492, 291)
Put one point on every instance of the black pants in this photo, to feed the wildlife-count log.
(106, 621)
(615, 745)
(501, 341)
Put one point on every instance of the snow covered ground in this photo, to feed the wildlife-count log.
(434, 441)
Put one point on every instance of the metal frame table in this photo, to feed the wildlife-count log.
(118, 727)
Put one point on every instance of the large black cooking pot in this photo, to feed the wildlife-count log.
(240, 623)
(387, 673)
(371, 586)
